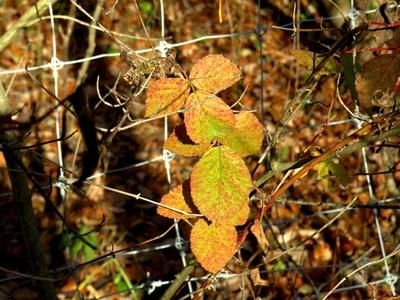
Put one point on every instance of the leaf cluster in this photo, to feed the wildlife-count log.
(220, 182)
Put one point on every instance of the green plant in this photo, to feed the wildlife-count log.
(220, 182)
(76, 246)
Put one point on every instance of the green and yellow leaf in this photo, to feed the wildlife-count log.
(327, 169)
(207, 118)
(247, 135)
(310, 60)
(220, 185)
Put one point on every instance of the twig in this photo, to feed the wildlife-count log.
(179, 280)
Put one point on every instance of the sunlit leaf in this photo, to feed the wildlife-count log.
(207, 117)
(220, 185)
(166, 95)
(376, 82)
(180, 143)
(213, 245)
(247, 135)
(178, 198)
(214, 73)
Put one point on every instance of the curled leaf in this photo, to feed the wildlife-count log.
(178, 198)
(213, 245)
(214, 73)
(258, 231)
(220, 185)
(180, 143)
(166, 95)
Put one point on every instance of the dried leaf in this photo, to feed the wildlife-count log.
(376, 82)
(256, 278)
(394, 42)
(220, 185)
(207, 117)
(258, 231)
(166, 95)
(246, 137)
(180, 143)
(214, 73)
(178, 198)
(213, 245)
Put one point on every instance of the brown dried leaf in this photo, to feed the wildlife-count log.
(258, 231)
(256, 278)
(376, 82)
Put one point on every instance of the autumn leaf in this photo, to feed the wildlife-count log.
(213, 245)
(166, 95)
(180, 143)
(258, 231)
(329, 168)
(310, 60)
(207, 117)
(178, 198)
(376, 82)
(247, 135)
(220, 185)
(214, 73)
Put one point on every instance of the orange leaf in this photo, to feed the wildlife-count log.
(214, 73)
(180, 143)
(207, 117)
(166, 95)
(178, 198)
(213, 245)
